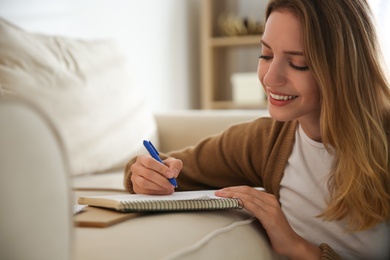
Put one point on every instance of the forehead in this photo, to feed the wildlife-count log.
(283, 30)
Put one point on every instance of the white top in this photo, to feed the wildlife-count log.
(302, 195)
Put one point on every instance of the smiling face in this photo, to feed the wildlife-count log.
(289, 84)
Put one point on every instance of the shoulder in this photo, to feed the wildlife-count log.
(264, 130)
(265, 125)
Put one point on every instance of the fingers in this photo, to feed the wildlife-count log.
(244, 192)
(263, 205)
(146, 181)
(151, 177)
(153, 190)
(256, 201)
(238, 191)
(175, 166)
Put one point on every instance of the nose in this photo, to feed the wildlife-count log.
(272, 73)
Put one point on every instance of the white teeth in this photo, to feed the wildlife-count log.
(281, 97)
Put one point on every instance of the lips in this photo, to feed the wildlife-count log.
(282, 97)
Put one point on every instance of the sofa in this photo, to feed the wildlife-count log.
(70, 119)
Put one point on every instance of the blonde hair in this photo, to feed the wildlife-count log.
(342, 52)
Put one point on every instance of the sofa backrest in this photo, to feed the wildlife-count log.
(86, 88)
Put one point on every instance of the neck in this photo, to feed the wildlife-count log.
(311, 129)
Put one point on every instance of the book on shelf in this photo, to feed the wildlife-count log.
(178, 201)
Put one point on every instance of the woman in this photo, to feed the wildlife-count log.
(323, 158)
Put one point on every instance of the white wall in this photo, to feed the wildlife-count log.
(160, 38)
(381, 10)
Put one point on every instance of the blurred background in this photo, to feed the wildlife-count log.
(162, 39)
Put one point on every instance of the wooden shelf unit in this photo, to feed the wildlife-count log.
(221, 56)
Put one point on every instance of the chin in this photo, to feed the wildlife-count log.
(280, 116)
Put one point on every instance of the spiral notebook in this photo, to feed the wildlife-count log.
(178, 201)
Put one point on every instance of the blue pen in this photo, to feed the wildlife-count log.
(154, 153)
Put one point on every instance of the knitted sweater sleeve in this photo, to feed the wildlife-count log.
(237, 156)
(253, 153)
(328, 253)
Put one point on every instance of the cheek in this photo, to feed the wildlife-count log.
(312, 92)
(261, 71)
(315, 89)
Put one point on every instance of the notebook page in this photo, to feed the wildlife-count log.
(183, 195)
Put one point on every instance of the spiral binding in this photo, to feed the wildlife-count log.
(180, 205)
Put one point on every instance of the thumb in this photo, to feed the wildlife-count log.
(175, 165)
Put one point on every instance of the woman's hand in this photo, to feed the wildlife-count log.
(151, 177)
(265, 207)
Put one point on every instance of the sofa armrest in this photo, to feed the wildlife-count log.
(34, 187)
(178, 129)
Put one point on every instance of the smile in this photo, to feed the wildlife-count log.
(282, 97)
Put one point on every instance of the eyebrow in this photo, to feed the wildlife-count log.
(299, 53)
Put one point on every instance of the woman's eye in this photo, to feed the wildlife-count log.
(292, 65)
(265, 57)
(301, 68)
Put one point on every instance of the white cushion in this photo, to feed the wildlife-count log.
(85, 88)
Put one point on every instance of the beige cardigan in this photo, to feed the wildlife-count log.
(253, 153)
